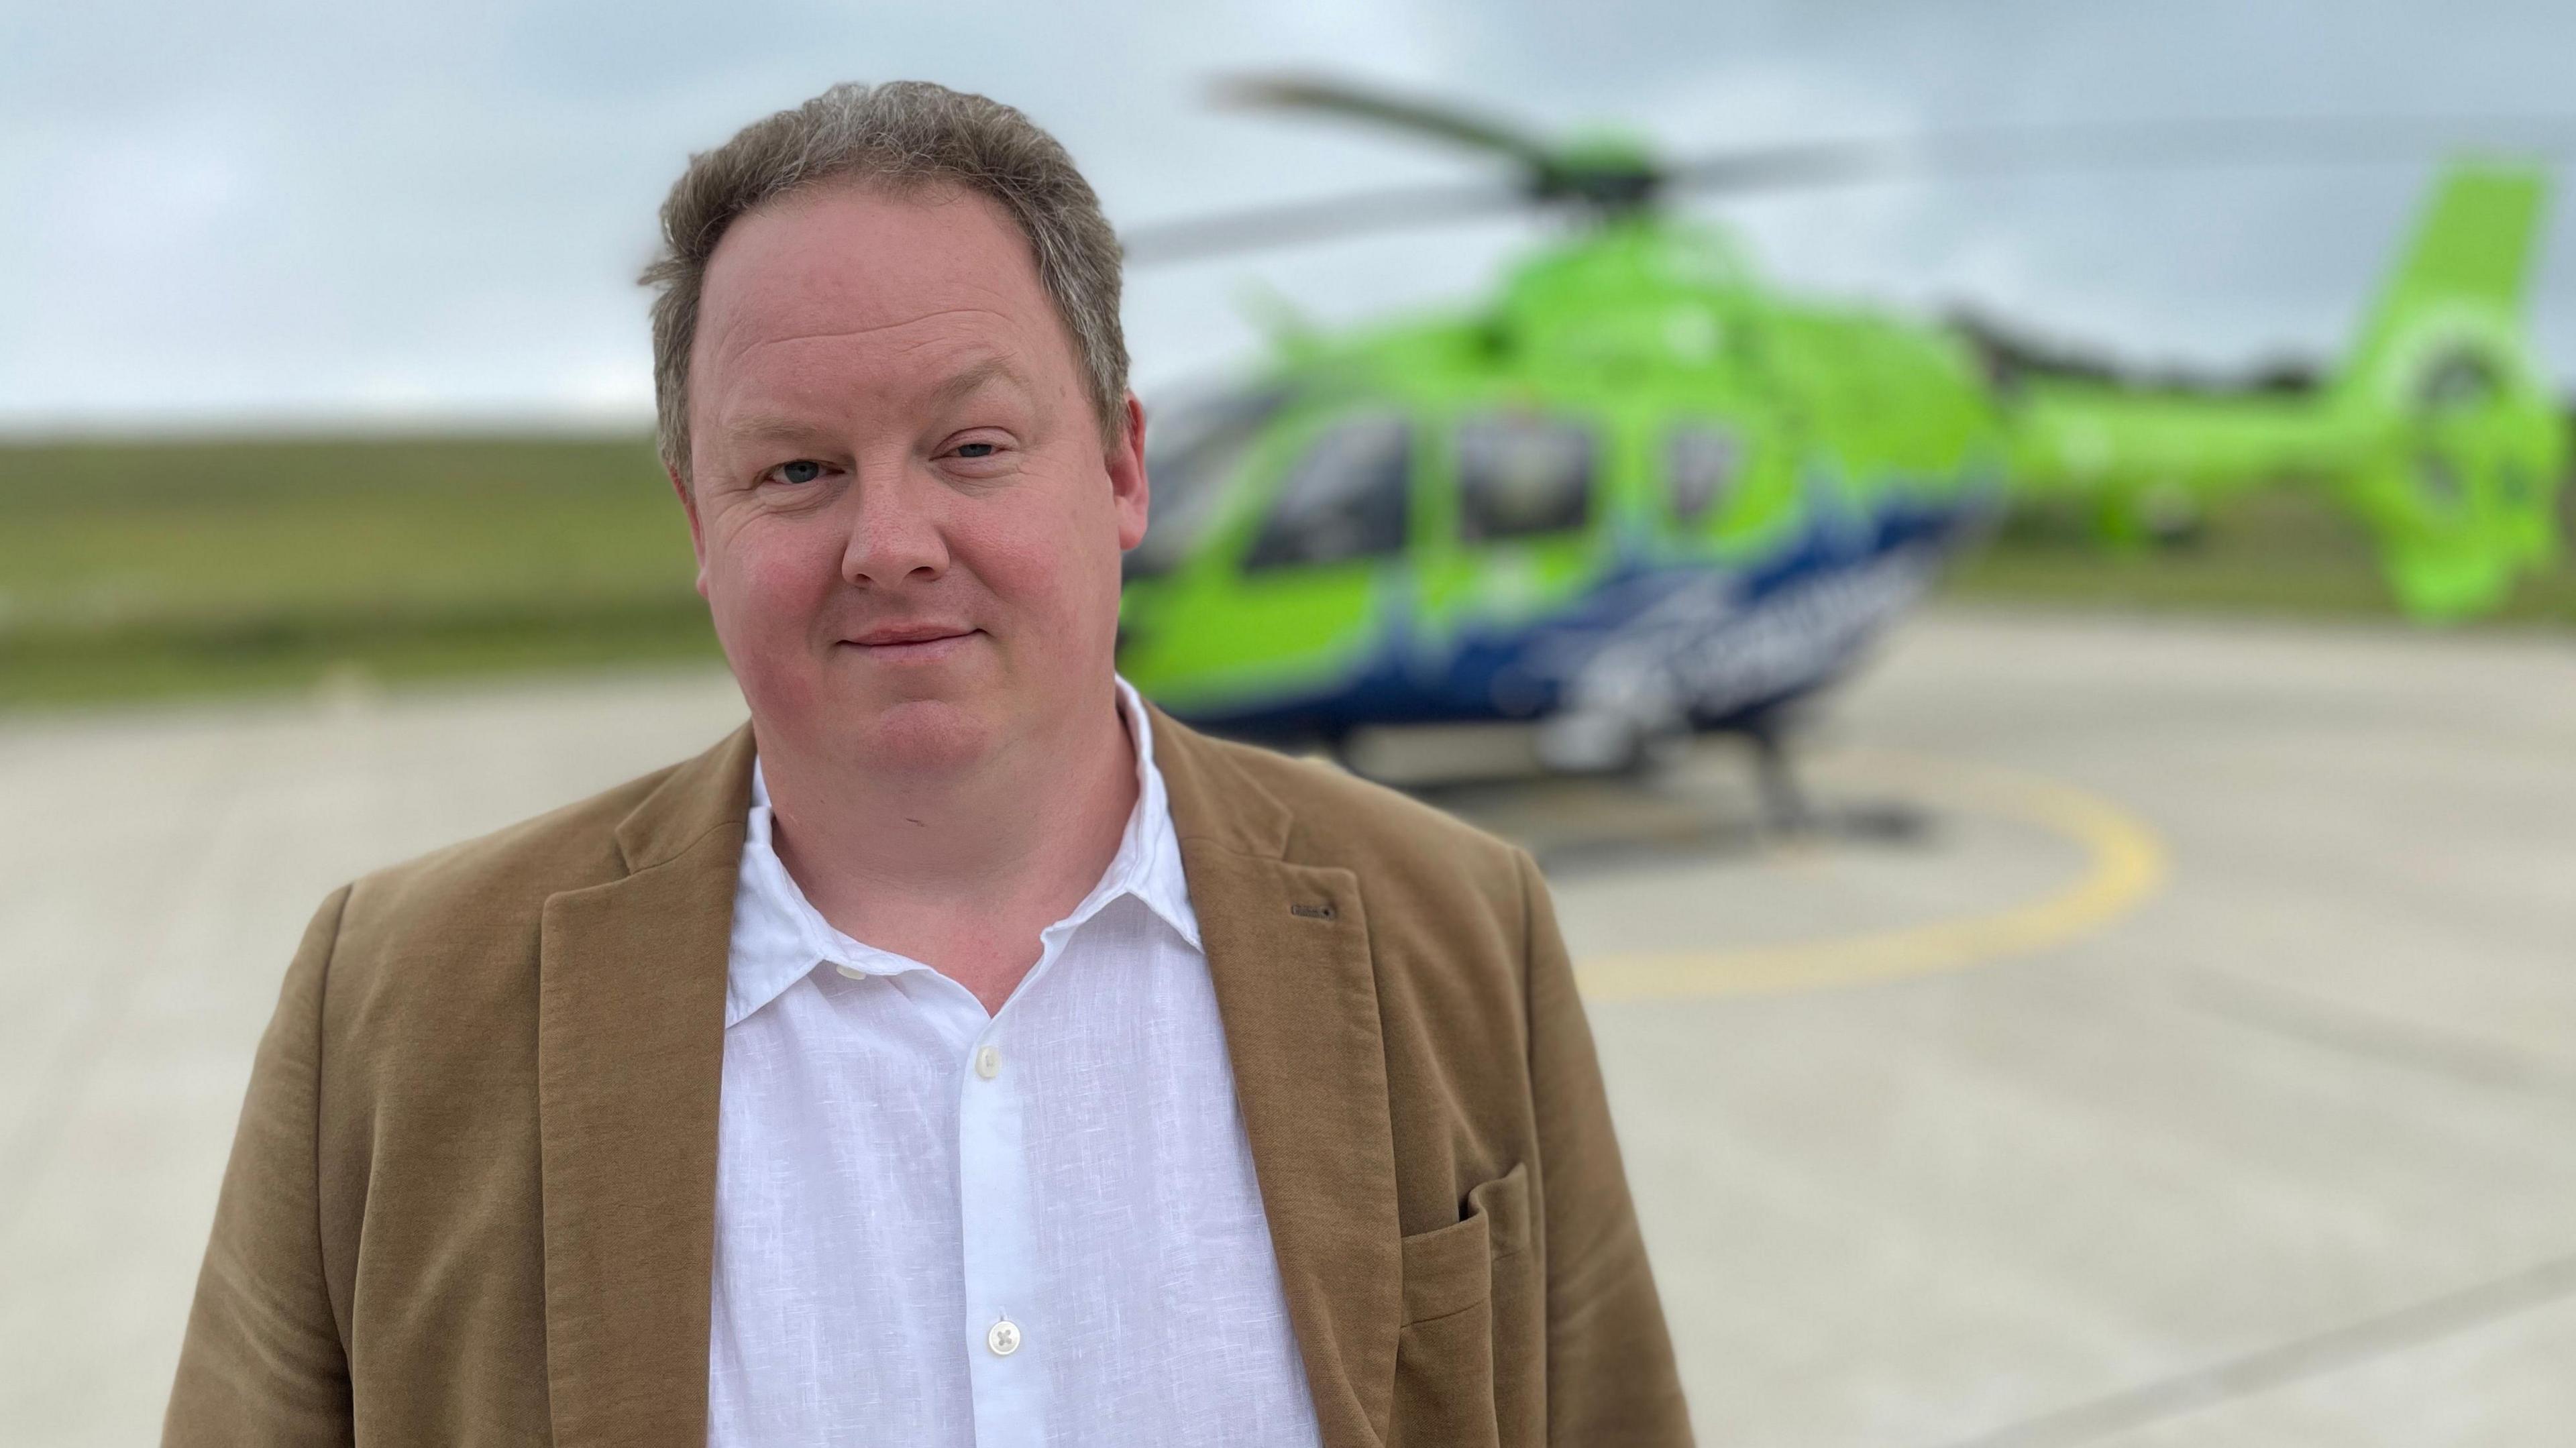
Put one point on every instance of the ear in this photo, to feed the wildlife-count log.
(697, 533)
(1129, 489)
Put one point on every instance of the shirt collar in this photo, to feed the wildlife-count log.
(779, 937)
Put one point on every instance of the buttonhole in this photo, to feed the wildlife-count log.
(1312, 912)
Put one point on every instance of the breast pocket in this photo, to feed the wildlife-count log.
(1466, 1366)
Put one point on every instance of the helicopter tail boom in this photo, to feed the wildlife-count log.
(2439, 432)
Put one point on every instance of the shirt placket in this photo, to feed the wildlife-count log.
(1008, 1330)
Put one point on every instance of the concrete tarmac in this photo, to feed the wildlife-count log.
(2169, 1038)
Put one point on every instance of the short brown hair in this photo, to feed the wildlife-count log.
(903, 133)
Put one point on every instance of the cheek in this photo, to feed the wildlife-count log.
(766, 582)
(768, 553)
(1053, 553)
(766, 588)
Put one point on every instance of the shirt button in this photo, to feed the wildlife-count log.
(988, 1064)
(1003, 1338)
(851, 971)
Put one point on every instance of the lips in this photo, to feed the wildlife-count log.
(891, 635)
(906, 645)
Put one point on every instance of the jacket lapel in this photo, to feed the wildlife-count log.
(1288, 949)
(630, 1054)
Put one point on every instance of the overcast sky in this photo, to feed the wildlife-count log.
(236, 214)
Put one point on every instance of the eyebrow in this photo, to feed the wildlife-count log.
(769, 427)
(973, 379)
(965, 383)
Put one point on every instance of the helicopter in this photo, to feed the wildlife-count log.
(1636, 495)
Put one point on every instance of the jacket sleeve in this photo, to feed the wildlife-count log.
(263, 1362)
(1610, 1373)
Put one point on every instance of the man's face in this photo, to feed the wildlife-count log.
(907, 522)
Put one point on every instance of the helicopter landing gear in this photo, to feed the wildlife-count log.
(1786, 808)
(1790, 812)
(1609, 743)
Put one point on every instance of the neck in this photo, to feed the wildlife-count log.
(960, 869)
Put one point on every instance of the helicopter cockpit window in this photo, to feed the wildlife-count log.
(1699, 466)
(1189, 459)
(1344, 500)
(1520, 475)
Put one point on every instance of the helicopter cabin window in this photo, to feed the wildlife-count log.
(1699, 466)
(1344, 500)
(1520, 475)
(1191, 458)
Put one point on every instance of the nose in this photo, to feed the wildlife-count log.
(896, 535)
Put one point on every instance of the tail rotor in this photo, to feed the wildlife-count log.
(2463, 446)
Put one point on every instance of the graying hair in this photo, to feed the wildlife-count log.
(905, 134)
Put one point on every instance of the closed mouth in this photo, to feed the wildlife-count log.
(911, 641)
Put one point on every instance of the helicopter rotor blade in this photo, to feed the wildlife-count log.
(1328, 218)
(1818, 165)
(2004, 151)
(1343, 98)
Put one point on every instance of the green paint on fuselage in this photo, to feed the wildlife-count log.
(1648, 343)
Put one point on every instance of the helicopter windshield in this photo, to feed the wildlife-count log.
(1188, 459)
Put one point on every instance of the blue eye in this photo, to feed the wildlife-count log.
(803, 470)
(975, 450)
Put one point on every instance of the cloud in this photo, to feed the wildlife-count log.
(331, 211)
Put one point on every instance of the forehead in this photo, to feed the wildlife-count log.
(857, 285)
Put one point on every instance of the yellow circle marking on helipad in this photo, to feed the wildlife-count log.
(2124, 866)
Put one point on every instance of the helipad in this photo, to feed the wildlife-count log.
(2200, 1068)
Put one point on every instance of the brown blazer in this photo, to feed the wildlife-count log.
(472, 1199)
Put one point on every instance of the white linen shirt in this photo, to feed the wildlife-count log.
(1038, 1227)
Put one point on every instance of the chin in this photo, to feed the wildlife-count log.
(928, 735)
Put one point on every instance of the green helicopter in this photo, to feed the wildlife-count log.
(1638, 494)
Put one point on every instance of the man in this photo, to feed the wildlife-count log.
(962, 1052)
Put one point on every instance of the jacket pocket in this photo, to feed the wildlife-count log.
(1445, 1360)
